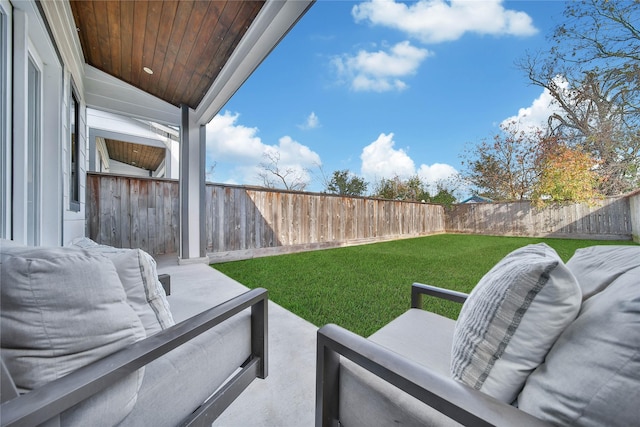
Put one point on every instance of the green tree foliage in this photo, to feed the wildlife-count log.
(504, 168)
(395, 188)
(519, 165)
(592, 71)
(411, 189)
(443, 197)
(567, 174)
(345, 183)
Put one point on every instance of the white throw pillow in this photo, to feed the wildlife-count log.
(591, 375)
(511, 319)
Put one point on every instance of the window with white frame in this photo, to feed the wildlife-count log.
(74, 150)
(34, 147)
(5, 119)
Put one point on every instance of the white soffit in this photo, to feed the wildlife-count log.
(105, 92)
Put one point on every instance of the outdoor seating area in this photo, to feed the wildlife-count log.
(537, 342)
(218, 335)
(420, 369)
(101, 347)
(110, 314)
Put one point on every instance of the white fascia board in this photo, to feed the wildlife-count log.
(115, 124)
(105, 92)
(273, 22)
(63, 27)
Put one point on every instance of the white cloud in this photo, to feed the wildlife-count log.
(435, 21)
(380, 71)
(312, 122)
(437, 173)
(535, 117)
(381, 160)
(293, 154)
(228, 141)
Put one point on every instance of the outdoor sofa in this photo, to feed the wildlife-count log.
(88, 340)
(537, 342)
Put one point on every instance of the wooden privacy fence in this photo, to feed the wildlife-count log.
(242, 222)
(251, 219)
(133, 212)
(609, 218)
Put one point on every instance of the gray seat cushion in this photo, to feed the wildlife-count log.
(591, 375)
(61, 310)
(367, 400)
(596, 267)
(176, 384)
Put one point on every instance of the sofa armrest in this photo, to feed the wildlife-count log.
(419, 289)
(453, 399)
(57, 396)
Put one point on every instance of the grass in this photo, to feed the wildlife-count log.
(362, 288)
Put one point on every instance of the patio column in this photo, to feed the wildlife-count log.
(192, 186)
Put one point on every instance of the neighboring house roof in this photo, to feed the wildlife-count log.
(477, 199)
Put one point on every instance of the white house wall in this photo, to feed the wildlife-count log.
(28, 28)
(46, 30)
(31, 40)
(62, 25)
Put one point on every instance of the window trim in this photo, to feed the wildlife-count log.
(6, 117)
(74, 151)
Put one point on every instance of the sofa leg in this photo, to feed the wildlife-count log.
(165, 281)
(327, 384)
(259, 335)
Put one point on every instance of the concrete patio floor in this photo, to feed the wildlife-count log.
(286, 398)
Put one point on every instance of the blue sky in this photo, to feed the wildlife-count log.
(384, 88)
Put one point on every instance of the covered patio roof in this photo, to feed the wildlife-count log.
(149, 58)
(175, 63)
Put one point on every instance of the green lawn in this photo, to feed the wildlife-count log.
(364, 287)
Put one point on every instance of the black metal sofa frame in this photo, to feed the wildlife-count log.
(453, 399)
(57, 396)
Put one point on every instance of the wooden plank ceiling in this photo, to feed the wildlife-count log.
(185, 43)
(142, 156)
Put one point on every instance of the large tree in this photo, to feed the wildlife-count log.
(274, 175)
(345, 183)
(413, 189)
(504, 168)
(592, 71)
(566, 174)
(396, 188)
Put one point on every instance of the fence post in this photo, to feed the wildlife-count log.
(634, 207)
